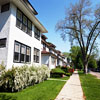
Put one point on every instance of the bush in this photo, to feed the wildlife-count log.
(65, 69)
(57, 72)
(19, 78)
(2, 68)
(68, 74)
(70, 70)
(58, 66)
(92, 63)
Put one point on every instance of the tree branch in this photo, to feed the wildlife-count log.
(93, 45)
(72, 28)
(90, 36)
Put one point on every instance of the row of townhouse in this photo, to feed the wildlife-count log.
(50, 56)
(20, 36)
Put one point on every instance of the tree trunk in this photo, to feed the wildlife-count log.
(85, 64)
(85, 67)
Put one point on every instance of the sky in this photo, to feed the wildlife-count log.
(49, 13)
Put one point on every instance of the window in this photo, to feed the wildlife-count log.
(24, 23)
(5, 7)
(17, 52)
(36, 55)
(24, 27)
(53, 60)
(2, 43)
(50, 50)
(37, 33)
(28, 54)
(22, 53)
(29, 30)
(19, 19)
(58, 61)
(44, 46)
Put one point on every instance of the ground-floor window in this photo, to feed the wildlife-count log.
(36, 55)
(22, 53)
(53, 60)
(3, 43)
(17, 52)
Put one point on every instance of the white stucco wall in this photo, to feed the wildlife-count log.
(45, 59)
(60, 63)
(53, 65)
(4, 33)
(13, 33)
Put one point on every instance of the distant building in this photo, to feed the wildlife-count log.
(50, 56)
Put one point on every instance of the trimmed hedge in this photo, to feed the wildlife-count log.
(65, 69)
(68, 74)
(60, 71)
(19, 78)
(57, 72)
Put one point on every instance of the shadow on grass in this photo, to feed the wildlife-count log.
(7, 97)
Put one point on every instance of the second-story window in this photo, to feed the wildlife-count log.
(37, 33)
(50, 50)
(44, 46)
(24, 23)
(24, 26)
(19, 19)
(29, 29)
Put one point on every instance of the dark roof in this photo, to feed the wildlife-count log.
(30, 7)
(45, 43)
(46, 52)
(52, 45)
(44, 37)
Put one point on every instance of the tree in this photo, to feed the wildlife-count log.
(73, 53)
(92, 63)
(76, 56)
(98, 64)
(67, 55)
(81, 24)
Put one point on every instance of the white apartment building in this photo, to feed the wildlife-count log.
(50, 56)
(20, 33)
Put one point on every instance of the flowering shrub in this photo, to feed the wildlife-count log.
(2, 68)
(19, 78)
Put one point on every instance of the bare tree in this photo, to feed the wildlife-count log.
(82, 25)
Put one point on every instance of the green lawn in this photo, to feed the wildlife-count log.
(91, 86)
(48, 90)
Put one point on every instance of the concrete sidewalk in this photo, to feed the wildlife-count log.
(72, 89)
(97, 74)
